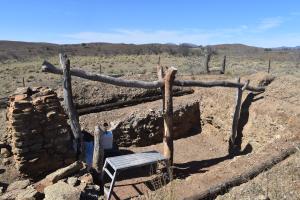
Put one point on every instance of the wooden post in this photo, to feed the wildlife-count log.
(236, 115)
(223, 65)
(168, 115)
(160, 76)
(98, 154)
(23, 82)
(269, 66)
(100, 69)
(69, 105)
(207, 59)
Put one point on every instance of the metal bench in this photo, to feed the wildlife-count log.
(120, 163)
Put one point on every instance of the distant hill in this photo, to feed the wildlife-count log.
(27, 50)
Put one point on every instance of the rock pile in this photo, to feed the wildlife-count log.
(37, 131)
(146, 128)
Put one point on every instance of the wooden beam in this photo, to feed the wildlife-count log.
(68, 102)
(160, 77)
(168, 115)
(48, 67)
(193, 83)
(98, 154)
(236, 115)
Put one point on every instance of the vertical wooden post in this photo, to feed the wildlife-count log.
(98, 154)
(223, 65)
(269, 66)
(23, 82)
(206, 63)
(100, 69)
(160, 76)
(69, 105)
(236, 114)
(168, 115)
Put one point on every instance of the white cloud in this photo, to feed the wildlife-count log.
(269, 23)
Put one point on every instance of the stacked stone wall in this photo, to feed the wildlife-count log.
(38, 132)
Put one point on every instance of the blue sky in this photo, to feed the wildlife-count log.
(264, 23)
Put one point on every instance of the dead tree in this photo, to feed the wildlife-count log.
(68, 101)
(98, 154)
(223, 65)
(168, 115)
(206, 62)
(269, 66)
(236, 115)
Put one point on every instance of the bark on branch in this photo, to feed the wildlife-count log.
(168, 115)
(48, 67)
(68, 101)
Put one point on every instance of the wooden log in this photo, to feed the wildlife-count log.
(206, 62)
(115, 105)
(64, 172)
(69, 105)
(48, 67)
(168, 115)
(269, 66)
(236, 115)
(223, 65)
(192, 83)
(244, 177)
(98, 154)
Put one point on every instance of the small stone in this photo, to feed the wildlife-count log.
(5, 153)
(5, 161)
(28, 194)
(73, 181)
(18, 185)
(86, 178)
(61, 190)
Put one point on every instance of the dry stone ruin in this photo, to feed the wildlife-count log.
(37, 131)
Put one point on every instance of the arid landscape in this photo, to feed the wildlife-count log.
(268, 127)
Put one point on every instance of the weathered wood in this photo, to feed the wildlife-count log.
(115, 105)
(168, 115)
(269, 66)
(206, 62)
(192, 83)
(223, 65)
(244, 177)
(64, 172)
(48, 67)
(98, 154)
(236, 115)
(160, 76)
(23, 80)
(68, 102)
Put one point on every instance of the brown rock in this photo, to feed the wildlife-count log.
(61, 191)
(18, 185)
(5, 153)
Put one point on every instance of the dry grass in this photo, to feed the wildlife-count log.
(280, 182)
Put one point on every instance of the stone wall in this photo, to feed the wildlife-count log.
(37, 131)
(146, 128)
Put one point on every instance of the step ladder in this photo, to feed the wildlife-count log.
(121, 163)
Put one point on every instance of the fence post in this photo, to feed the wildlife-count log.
(269, 66)
(236, 115)
(168, 115)
(223, 65)
(206, 63)
(98, 154)
(69, 105)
